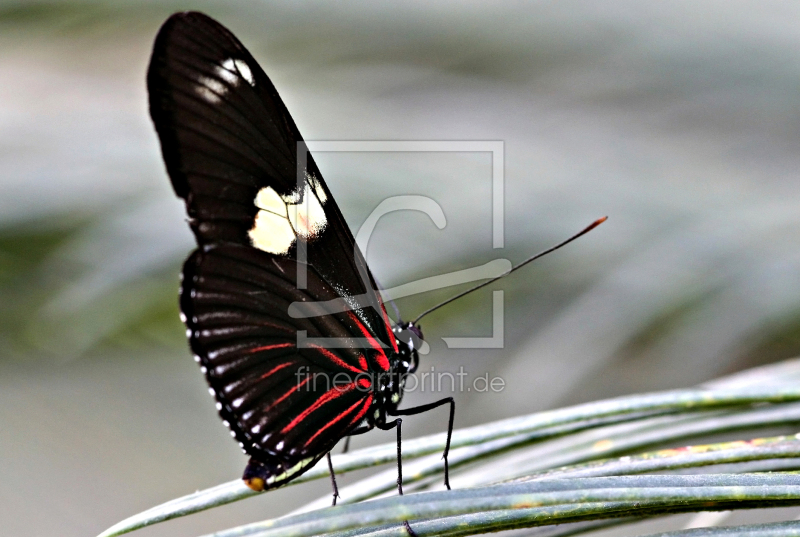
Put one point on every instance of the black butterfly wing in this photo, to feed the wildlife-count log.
(231, 150)
(227, 136)
(280, 401)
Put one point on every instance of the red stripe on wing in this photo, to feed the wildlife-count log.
(275, 369)
(270, 347)
(358, 416)
(288, 393)
(327, 397)
(338, 361)
(383, 361)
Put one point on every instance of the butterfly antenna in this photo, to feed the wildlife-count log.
(518, 266)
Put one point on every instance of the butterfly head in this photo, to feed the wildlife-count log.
(391, 384)
(409, 338)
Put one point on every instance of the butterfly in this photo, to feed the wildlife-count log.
(269, 234)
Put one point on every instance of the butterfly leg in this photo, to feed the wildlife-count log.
(398, 423)
(359, 430)
(333, 479)
(430, 406)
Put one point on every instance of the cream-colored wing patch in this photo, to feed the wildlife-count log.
(271, 233)
(269, 200)
(307, 217)
(282, 218)
(323, 197)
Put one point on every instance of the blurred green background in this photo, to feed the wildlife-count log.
(680, 120)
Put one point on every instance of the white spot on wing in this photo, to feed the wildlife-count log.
(269, 200)
(210, 89)
(230, 72)
(271, 233)
(323, 197)
(244, 70)
(307, 217)
(282, 218)
(227, 72)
